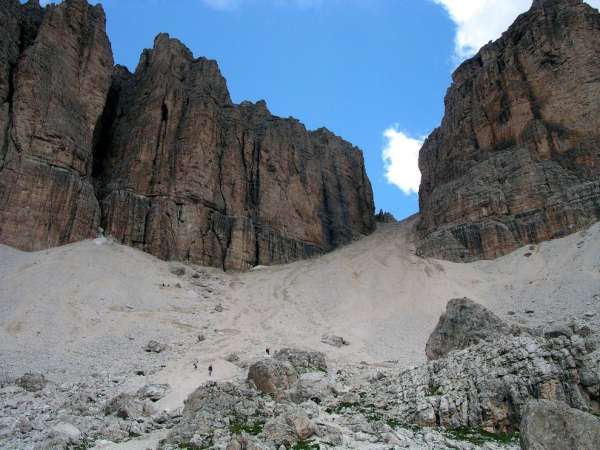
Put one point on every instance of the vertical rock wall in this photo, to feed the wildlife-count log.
(517, 157)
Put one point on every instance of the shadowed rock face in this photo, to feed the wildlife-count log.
(162, 159)
(516, 158)
(56, 66)
(188, 175)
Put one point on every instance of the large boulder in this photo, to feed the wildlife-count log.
(302, 360)
(289, 425)
(272, 376)
(32, 382)
(315, 386)
(488, 385)
(464, 323)
(214, 408)
(548, 425)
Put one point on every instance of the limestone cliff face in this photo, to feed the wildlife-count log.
(161, 158)
(188, 175)
(517, 157)
(56, 66)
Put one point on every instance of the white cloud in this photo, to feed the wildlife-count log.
(480, 21)
(401, 159)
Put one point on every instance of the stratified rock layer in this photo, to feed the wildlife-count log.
(516, 158)
(188, 175)
(161, 159)
(56, 66)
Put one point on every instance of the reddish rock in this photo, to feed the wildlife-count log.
(186, 174)
(161, 158)
(56, 65)
(516, 158)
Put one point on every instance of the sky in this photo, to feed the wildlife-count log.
(372, 71)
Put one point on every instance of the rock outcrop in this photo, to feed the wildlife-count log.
(464, 323)
(161, 158)
(516, 159)
(56, 66)
(489, 384)
(548, 425)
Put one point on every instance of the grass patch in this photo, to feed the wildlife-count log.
(479, 436)
(371, 412)
(306, 445)
(238, 427)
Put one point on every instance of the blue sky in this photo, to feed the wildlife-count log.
(373, 71)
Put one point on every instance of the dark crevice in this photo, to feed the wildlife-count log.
(102, 140)
(9, 122)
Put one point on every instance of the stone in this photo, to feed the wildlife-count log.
(66, 432)
(32, 382)
(211, 409)
(177, 269)
(124, 406)
(153, 392)
(302, 360)
(557, 330)
(155, 347)
(464, 323)
(289, 426)
(272, 376)
(315, 386)
(335, 341)
(553, 425)
(515, 159)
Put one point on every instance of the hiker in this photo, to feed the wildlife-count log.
(268, 352)
(195, 365)
(210, 370)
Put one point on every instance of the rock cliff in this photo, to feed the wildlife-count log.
(186, 174)
(161, 158)
(55, 66)
(516, 158)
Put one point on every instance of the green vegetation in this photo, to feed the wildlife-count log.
(306, 445)
(188, 446)
(238, 427)
(371, 412)
(479, 436)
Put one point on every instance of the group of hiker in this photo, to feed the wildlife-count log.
(210, 367)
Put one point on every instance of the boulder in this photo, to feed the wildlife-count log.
(551, 425)
(124, 406)
(315, 386)
(155, 347)
(211, 409)
(303, 361)
(272, 376)
(464, 323)
(153, 392)
(67, 432)
(32, 382)
(290, 425)
(335, 341)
